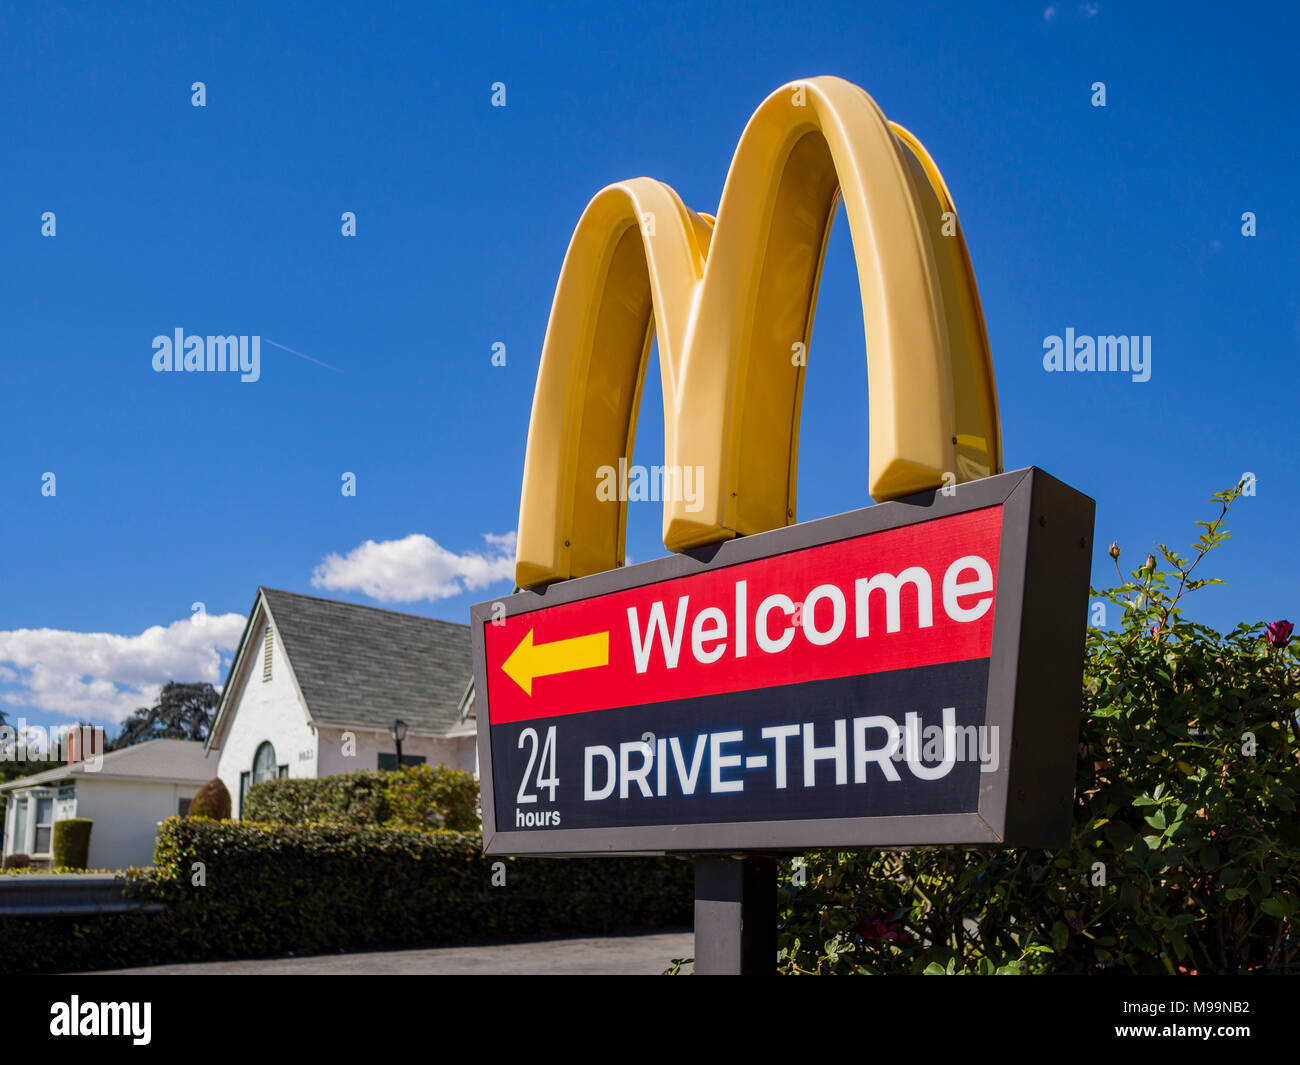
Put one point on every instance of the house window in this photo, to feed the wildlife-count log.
(264, 763)
(389, 761)
(243, 790)
(20, 826)
(183, 807)
(282, 772)
(44, 824)
(267, 643)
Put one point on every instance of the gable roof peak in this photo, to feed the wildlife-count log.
(360, 666)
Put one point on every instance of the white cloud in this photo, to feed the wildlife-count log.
(1049, 13)
(416, 567)
(101, 676)
(1089, 10)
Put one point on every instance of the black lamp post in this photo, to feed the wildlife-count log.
(398, 731)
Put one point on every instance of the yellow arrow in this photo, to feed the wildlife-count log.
(529, 660)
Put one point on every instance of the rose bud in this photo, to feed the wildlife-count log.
(1114, 550)
(1279, 633)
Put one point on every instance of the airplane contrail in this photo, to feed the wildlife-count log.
(301, 355)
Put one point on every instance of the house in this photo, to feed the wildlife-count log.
(317, 684)
(126, 793)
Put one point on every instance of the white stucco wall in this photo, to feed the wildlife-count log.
(126, 815)
(266, 711)
(456, 753)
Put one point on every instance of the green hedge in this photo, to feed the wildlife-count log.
(270, 889)
(72, 842)
(347, 799)
(418, 797)
(1185, 856)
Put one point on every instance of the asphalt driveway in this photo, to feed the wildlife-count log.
(630, 954)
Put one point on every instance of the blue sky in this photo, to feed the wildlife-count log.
(176, 489)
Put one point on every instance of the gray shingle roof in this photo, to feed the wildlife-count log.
(163, 759)
(361, 666)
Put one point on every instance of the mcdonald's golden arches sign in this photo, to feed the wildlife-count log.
(729, 298)
(905, 673)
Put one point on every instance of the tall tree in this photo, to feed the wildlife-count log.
(182, 712)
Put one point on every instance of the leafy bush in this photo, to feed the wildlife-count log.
(426, 796)
(18, 860)
(1185, 854)
(421, 797)
(212, 800)
(346, 799)
(72, 842)
(238, 889)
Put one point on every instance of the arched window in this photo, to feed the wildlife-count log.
(264, 763)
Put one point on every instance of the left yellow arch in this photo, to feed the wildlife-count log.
(730, 300)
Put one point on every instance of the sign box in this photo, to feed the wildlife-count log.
(902, 675)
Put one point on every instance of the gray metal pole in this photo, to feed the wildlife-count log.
(735, 916)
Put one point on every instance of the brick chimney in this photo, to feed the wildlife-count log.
(84, 741)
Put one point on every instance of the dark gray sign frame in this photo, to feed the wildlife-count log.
(1034, 691)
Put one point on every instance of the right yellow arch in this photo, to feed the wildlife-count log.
(731, 302)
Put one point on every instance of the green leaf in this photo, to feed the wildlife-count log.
(1119, 834)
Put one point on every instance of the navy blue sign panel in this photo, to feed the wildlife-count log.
(828, 749)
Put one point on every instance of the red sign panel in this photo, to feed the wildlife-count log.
(906, 597)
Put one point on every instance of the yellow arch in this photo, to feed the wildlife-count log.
(730, 301)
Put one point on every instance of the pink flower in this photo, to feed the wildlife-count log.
(1279, 633)
(1114, 550)
(879, 927)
